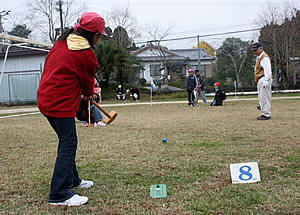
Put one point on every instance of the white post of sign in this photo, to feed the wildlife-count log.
(152, 87)
(235, 88)
(151, 96)
(244, 172)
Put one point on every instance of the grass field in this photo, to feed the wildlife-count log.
(125, 158)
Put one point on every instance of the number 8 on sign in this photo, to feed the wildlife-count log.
(245, 175)
(244, 172)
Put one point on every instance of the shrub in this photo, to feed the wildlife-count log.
(142, 81)
(177, 83)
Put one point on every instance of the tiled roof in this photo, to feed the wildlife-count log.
(192, 54)
(177, 54)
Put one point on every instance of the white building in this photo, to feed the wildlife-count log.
(156, 60)
(21, 75)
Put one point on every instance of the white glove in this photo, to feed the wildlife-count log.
(265, 83)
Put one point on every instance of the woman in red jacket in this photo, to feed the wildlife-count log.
(69, 67)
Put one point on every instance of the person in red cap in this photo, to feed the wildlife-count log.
(220, 96)
(69, 71)
(192, 85)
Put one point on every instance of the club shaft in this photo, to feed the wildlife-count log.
(100, 108)
(89, 104)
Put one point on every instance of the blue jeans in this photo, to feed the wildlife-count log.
(65, 175)
(202, 94)
(95, 114)
(213, 103)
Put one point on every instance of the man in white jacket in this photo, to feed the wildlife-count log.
(263, 79)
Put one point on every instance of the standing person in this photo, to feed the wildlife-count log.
(263, 79)
(69, 67)
(201, 87)
(158, 84)
(192, 84)
(220, 96)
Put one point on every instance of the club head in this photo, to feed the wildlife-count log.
(112, 117)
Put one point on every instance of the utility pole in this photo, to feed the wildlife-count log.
(275, 60)
(287, 58)
(59, 3)
(294, 68)
(1, 26)
(199, 54)
(3, 13)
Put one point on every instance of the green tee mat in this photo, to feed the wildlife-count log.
(158, 191)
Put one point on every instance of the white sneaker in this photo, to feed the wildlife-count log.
(75, 200)
(84, 123)
(84, 184)
(99, 124)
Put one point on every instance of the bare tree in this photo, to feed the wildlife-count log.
(156, 36)
(15, 19)
(44, 15)
(237, 66)
(72, 11)
(276, 14)
(238, 52)
(122, 17)
(280, 35)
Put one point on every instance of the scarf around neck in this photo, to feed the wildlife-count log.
(76, 42)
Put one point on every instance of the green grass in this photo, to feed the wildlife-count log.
(126, 157)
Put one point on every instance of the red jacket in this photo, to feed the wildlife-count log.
(67, 74)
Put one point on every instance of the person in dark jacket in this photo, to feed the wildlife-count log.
(135, 93)
(192, 84)
(201, 87)
(120, 94)
(82, 113)
(220, 96)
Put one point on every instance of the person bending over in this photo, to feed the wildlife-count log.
(83, 111)
(220, 96)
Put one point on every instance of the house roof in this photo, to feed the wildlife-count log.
(192, 54)
(18, 53)
(151, 46)
(174, 55)
(157, 58)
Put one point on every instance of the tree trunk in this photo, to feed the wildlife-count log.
(121, 76)
(238, 80)
(240, 85)
(236, 70)
(105, 83)
(166, 74)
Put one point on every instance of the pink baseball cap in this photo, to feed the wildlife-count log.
(91, 21)
(96, 90)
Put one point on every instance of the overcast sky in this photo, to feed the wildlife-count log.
(189, 17)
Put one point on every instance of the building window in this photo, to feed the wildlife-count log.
(202, 69)
(154, 70)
